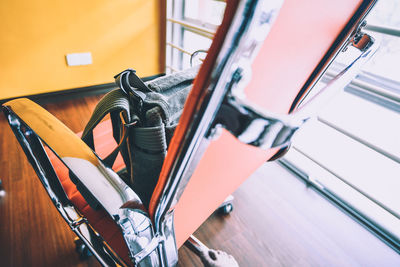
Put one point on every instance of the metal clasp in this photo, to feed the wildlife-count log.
(148, 249)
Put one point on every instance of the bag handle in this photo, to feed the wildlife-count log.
(127, 80)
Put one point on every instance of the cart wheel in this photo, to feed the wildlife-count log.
(2, 192)
(226, 209)
(82, 250)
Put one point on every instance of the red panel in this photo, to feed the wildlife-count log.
(300, 37)
(224, 166)
(302, 34)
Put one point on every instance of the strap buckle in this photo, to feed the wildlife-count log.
(133, 86)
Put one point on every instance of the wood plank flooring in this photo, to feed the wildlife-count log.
(276, 221)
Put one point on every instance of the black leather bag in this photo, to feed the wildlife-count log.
(144, 117)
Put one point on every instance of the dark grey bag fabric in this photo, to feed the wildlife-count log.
(144, 117)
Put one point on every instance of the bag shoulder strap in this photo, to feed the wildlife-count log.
(115, 103)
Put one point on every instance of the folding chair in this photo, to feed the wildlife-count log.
(233, 121)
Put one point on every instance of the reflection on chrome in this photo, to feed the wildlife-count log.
(155, 245)
(256, 126)
(122, 204)
(108, 190)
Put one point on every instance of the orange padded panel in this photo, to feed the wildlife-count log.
(99, 219)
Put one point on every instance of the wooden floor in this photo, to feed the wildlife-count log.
(277, 220)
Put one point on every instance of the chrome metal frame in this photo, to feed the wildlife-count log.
(120, 202)
(231, 72)
(249, 14)
(355, 26)
(38, 158)
(267, 130)
(250, 26)
(154, 245)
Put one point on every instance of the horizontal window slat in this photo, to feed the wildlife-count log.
(179, 48)
(199, 30)
(365, 206)
(353, 162)
(371, 124)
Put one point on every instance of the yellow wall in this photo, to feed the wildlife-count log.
(35, 36)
